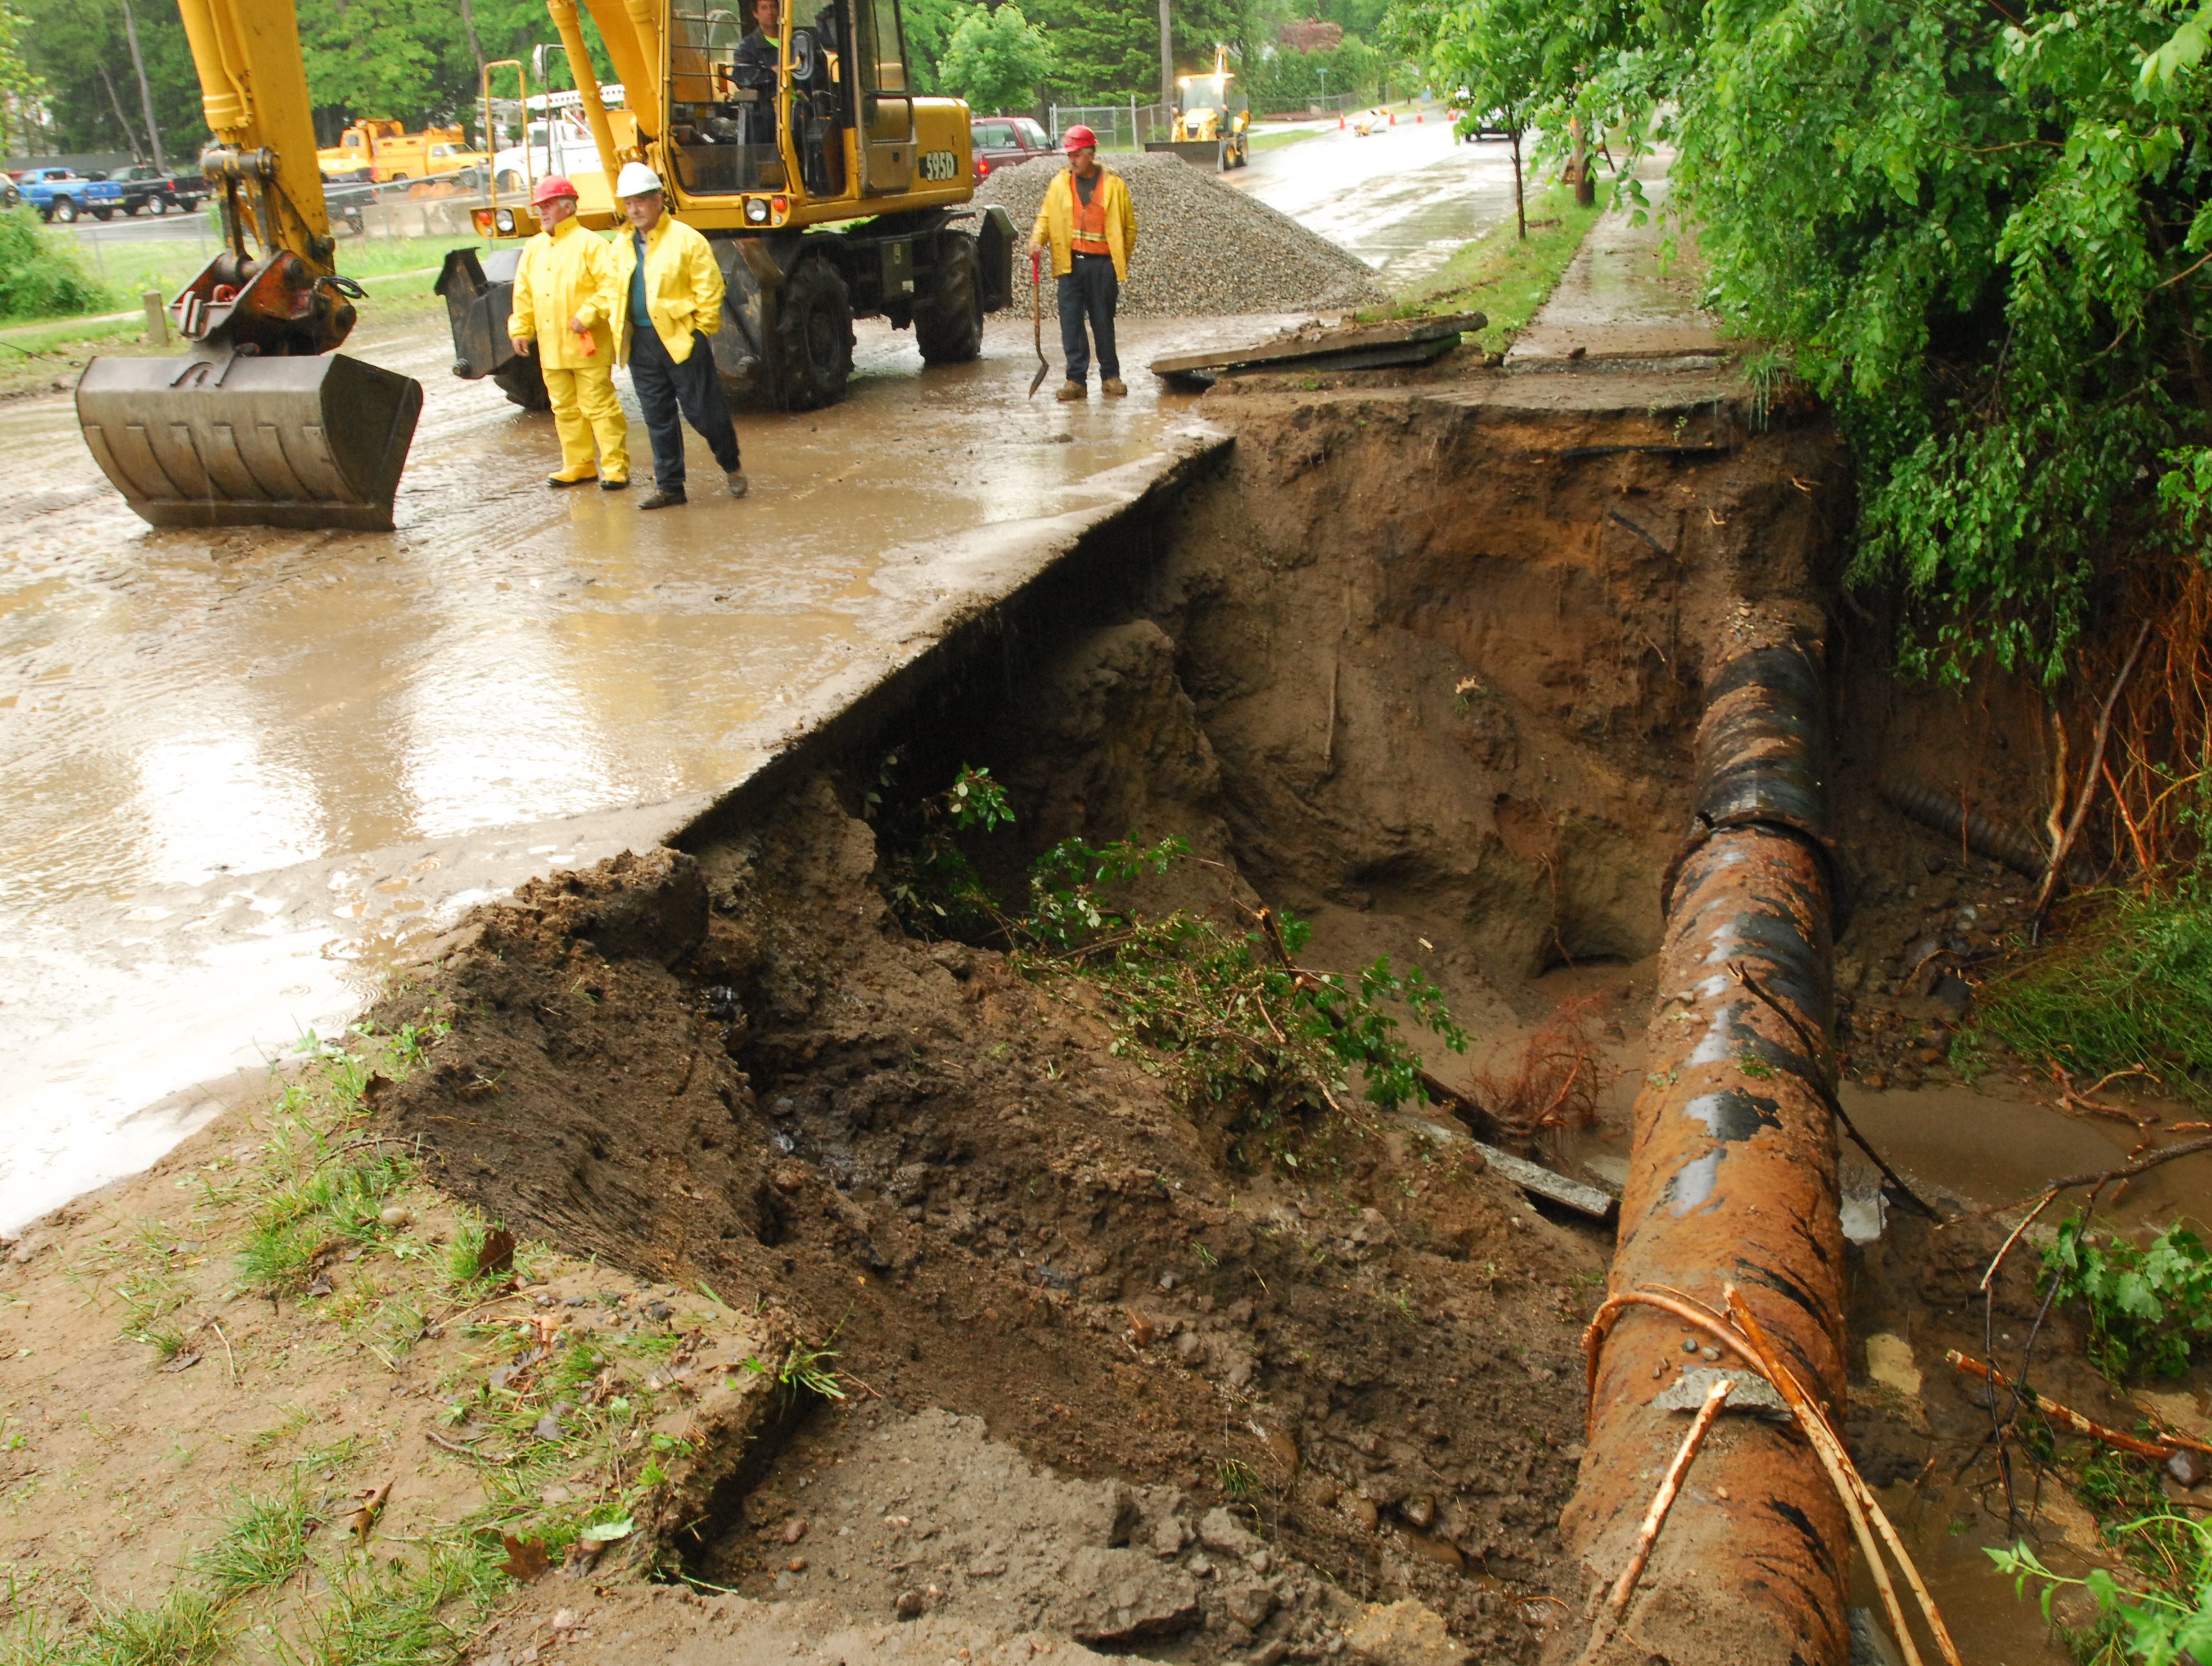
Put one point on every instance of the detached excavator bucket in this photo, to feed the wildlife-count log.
(304, 442)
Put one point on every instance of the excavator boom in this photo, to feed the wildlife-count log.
(262, 422)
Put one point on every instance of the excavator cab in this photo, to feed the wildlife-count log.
(262, 422)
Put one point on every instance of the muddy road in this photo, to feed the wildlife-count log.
(186, 710)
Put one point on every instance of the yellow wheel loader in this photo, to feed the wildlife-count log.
(829, 190)
(262, 422)
(1212, 120)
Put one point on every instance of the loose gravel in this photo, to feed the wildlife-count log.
(1205, 248)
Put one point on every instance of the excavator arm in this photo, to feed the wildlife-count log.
(262, 422)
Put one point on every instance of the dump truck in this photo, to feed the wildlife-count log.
(829, 189)
(384, 150)
(262, 422)
(1212, 121)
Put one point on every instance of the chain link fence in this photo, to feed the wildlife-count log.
(1119, 126)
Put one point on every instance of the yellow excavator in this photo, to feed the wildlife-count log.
(1212, 121)
(262, 422)
(829, 189)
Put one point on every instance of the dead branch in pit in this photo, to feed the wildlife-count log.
(2067, 1418)
(1616, 1603)
(1824, 1066)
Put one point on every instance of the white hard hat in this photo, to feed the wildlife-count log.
(636, 181)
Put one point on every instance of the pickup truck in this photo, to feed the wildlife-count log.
(148, 190)
(61, 193)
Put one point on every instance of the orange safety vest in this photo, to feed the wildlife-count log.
(1089, 234)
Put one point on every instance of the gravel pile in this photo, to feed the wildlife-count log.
(1203, 247)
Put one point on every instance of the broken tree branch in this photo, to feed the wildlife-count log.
(1616, 1601)
(1824, 1063)
(2066, 1417)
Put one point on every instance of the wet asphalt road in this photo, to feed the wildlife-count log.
(235, 767)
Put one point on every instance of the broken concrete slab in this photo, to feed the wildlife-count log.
(1314, 347)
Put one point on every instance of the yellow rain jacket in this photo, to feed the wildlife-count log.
(683, 285)
(1055, 222)
(565, 273)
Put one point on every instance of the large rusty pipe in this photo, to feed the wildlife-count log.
(1732, 1180)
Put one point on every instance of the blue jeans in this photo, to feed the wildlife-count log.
(670, 394)
(1089, 291)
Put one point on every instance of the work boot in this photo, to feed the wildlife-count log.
(661, 498)
(739, 487)
(1115, 385)
(568, 477)
(1071, 392)
(612, 483)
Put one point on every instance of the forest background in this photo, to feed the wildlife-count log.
(417, 60)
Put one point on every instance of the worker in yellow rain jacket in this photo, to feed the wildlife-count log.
(564, 296)
(1087, 221)
(668, 305)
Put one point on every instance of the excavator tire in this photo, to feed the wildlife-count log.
(524, 384)
(949, 328)
(813, 335)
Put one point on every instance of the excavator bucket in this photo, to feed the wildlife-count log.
(303, 442)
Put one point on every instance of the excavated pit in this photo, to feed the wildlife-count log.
(1420, 664)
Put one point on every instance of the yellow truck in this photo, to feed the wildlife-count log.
(382, 149)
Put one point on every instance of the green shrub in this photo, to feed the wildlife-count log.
(40, 276)
(2145, 1306)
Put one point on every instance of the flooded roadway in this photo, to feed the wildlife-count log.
(237, 768)
(1403, 199)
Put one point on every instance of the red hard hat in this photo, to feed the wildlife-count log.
(552, 185)
(1079, 137)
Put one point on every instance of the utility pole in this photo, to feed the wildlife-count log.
(146, 92)
(1167, 60)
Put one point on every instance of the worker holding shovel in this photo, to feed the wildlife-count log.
(1088, 223)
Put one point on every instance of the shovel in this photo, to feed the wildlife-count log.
(1036, 310)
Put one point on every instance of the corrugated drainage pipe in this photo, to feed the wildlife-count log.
(1732, 1180)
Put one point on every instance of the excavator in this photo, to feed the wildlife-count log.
(264, 421)
(829, 189)
(1212, 121)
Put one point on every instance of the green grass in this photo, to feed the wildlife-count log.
(1277, 141)
(2129, 984)
(263, 1543)
(1500, 274)
(395, 1614)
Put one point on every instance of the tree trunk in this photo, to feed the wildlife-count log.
(1578, 168)
(145, 90)
(129, 133)
(476, 48)
(1520, 208)
(1167, 60)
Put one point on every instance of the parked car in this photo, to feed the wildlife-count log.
(1006, 141)
(147, 190)
(62, 194)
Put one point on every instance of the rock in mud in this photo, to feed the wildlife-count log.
(1116, 1597)
(1404, 1634)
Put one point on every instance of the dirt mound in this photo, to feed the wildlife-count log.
(1205, 248)
(994, 1215)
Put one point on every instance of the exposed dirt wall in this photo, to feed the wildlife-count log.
(1445, 649)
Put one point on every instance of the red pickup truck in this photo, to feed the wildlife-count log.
(1006, 141)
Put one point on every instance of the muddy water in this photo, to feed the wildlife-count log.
(232, 765)
(1403, 199)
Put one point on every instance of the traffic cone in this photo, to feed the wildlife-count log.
(1340, 121)
(1394, 119)
(1419, 118)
